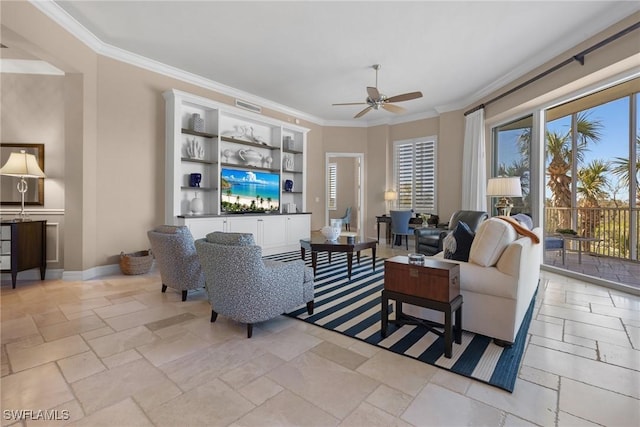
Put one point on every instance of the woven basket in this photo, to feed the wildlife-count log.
(136, 263)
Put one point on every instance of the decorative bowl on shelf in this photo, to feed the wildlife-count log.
(250, 157)
(330, 233)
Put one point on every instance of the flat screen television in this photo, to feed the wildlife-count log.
(249, 191)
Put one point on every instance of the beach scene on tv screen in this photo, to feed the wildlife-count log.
(249, 191)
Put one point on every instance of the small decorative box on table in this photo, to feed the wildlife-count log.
(434, 285)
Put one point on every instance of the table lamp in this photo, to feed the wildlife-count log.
(504, 187)
(22, 165)
(389, 197)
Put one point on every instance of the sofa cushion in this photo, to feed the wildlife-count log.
(484, 280)
(234, 239)
(457, 244)
(492, 237)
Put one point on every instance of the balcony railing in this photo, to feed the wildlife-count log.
(616, 230)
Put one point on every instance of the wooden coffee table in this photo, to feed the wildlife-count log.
(343, 244)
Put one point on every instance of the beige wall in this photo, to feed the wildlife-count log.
(114, 138)
(600, 65)
(34, 113)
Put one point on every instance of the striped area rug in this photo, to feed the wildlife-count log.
(353, 308)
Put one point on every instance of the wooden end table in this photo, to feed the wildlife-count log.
(343, 244)
(434, 285)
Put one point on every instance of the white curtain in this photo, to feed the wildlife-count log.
(474, 165)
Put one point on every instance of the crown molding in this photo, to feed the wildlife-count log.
(51, 9)
(66, 21)
(538, 59)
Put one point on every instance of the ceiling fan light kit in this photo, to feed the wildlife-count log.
(376, 100)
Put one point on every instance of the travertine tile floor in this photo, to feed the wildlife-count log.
(118, 352)
(617, 270)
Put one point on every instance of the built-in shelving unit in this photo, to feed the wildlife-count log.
(233, 139)
(196, 133)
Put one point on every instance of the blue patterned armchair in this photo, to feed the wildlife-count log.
(246, 288)
(177, 260)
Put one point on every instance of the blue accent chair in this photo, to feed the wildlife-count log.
(555, 243)
(400, 226)
(346, 219)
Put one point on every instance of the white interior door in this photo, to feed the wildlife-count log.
(349, 187)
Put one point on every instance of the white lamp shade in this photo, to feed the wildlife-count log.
(390, 195)
(22, 164)
(504, 187)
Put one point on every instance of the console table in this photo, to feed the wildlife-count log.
(23, 247)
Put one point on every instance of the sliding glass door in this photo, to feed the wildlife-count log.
(511, 157)
(589, 174)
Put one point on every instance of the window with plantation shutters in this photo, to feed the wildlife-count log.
(332, 173)
(415, 174)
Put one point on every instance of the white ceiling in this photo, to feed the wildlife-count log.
(306, 55)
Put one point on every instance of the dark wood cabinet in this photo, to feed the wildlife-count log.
(436, 280)
(23, 247)
(434, 285)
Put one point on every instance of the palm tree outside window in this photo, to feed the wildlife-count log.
(591, 167)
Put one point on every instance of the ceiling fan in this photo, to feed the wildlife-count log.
(375, 99)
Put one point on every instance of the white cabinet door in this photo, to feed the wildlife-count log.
(273, 230)
(298, 227)
(200, 227)
(244, 225)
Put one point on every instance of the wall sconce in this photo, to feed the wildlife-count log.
(22, 165)
(504, 187)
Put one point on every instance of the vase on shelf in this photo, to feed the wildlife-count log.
(288, 185)
(195, 150)
(197, 122)
(196, 206)
(287, 163)
(195, 179)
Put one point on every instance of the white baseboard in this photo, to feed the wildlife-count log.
(67, 275)
(34, 274)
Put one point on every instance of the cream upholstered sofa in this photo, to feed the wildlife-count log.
(497, 283)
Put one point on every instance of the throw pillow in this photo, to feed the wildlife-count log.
(492, 237)
(524, 220)
(235, 239)
(457, 244)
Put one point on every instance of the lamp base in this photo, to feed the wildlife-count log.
(504, 206)
(22, 189)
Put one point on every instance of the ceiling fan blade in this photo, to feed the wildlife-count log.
(373, 93)
(405, 97)
(393, 108)
(363, 112)
(351, 103)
